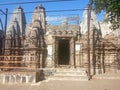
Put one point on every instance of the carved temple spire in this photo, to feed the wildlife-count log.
(38, 16)
(16, 28)
(36, 28)
(19, 17)
(93, 21)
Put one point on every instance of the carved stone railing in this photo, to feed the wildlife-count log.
(11, 62)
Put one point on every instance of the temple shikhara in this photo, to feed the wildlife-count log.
(42, 50)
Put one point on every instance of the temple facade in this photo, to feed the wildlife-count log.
(39, 45)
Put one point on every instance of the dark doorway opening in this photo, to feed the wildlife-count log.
(63, 52)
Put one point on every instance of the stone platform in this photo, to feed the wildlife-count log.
(20, 76)
(33, 76)
(108, 75)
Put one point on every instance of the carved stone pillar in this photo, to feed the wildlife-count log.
(72, 51)
(41, 60)
(54, 52)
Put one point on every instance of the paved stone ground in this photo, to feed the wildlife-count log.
(94, 84)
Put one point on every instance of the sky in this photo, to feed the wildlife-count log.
(49, 6)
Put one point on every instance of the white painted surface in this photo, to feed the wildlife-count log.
(77, 47)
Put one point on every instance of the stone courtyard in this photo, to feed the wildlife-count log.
(94, 84)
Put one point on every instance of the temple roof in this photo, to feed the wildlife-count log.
(18, 17)
(93, 21)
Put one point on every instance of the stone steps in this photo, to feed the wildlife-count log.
(69, 74)
(79, 78)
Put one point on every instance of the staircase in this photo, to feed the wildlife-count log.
(69, 74)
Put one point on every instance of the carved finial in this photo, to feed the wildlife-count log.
(40, 5)
(19, 7)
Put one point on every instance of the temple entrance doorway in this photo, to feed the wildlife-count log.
(63, 52)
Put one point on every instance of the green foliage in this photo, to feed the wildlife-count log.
(112, 9)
